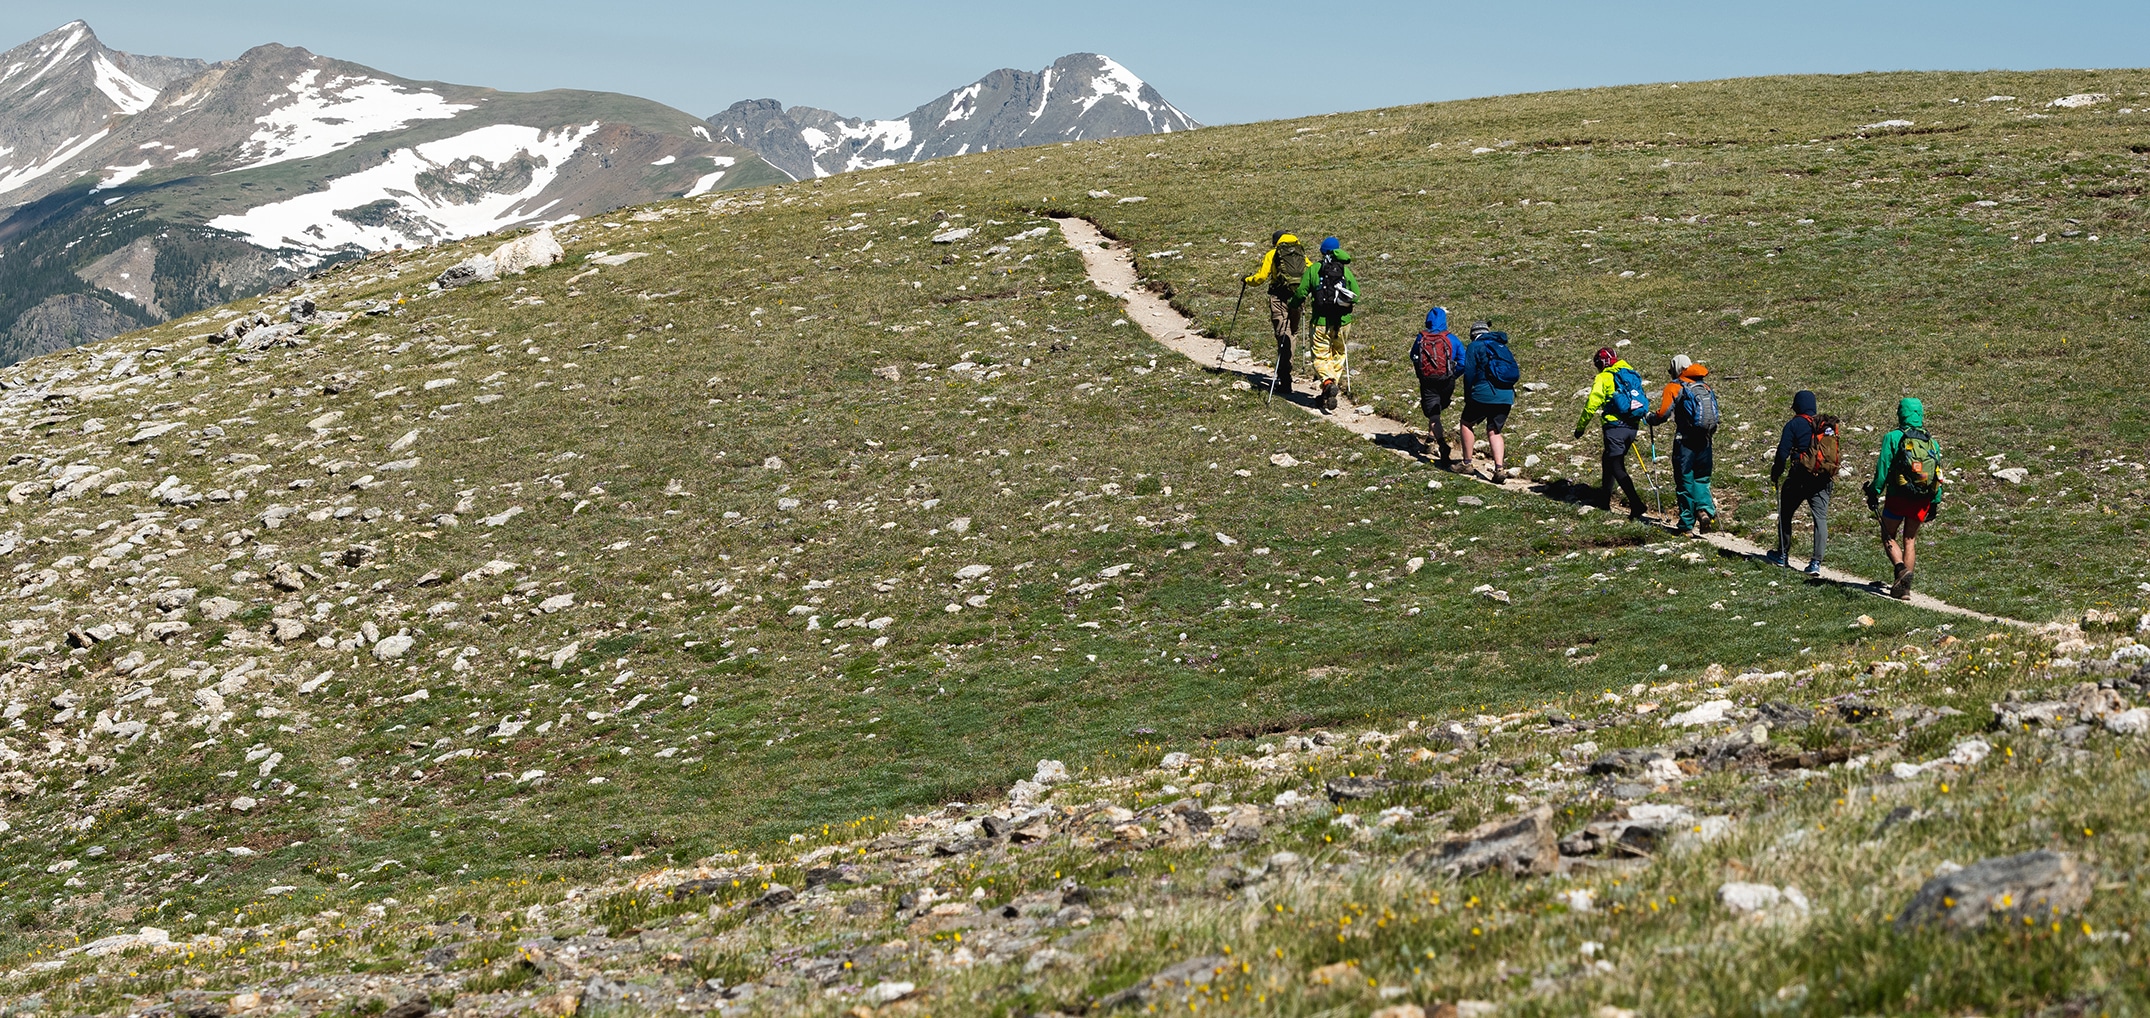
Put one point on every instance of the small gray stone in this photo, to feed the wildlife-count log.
(217, 609)
(392, 647)
(2034, 885)
(1522, 845)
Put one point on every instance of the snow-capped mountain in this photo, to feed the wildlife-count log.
(1083, 95)
(135, 189)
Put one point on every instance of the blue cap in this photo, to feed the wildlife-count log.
(1329, 244)
(1437, 320)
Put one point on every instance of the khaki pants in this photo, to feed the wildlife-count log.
(1329, 343)
(1284, 321)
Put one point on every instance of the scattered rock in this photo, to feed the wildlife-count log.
(1523, 845)
(217, 609)
(2035, 885)
(1347, 789)
(532, 251)
(392, 647)
(474, 269)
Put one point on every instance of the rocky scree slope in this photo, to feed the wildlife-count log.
(136, 189)
(1856, 836)
(1081, 97)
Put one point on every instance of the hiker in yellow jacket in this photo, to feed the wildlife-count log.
(1616, 403)
(1282, 266)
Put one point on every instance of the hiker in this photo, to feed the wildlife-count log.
(1906, 489)
(1618, 405)
(1334, 290)
(1437, 357)
(1489, 377)
(1282, 266)
(1690, 402)
(1808, 457)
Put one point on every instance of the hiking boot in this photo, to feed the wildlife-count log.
(1705, 522)
(1901, 590)
(1775, 558)
(1328, 396)
(1814, 567)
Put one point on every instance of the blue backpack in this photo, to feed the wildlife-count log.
(1628, 402)
(1698, 406)
(1497, 363)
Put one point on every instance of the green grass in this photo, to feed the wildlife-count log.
(752, 331)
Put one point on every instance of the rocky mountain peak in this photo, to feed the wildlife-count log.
(1081, 96)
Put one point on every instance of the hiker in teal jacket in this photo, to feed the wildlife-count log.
(1906, 489)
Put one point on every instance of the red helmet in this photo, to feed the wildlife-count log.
(1605, 358)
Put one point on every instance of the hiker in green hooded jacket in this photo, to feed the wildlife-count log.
(1333, 290)
(1906, 489)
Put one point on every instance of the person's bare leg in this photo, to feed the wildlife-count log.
(1890, 546)
(1911, 545)
(1468, 443)
(1499, 442)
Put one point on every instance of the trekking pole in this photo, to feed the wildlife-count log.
(1234, 329)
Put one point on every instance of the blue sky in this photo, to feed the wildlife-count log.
(1221, 62)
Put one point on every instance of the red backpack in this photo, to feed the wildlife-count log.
(1433, 354)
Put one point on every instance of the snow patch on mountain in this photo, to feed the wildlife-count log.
(324, 118)
(963, 104)
(1115, 81)
(12, 177)
(708, 182)
(120, 175)
(408, 199)
(129, 95)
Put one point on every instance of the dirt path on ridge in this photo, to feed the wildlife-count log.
(1112, 269)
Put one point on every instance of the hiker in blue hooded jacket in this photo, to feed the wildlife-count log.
(1489, 377)
(1437, 359)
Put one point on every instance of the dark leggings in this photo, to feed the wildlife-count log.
(1614, 468)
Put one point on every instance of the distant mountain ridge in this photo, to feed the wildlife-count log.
(1081, 96)
(134, 189)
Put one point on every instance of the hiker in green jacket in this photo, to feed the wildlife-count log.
(1906, 489)
(1334, 290)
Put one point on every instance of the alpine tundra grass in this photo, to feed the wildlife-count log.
(765, 526)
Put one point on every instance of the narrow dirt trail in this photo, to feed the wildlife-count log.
(1112, 270)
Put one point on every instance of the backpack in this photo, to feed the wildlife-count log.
(1918, 463)
(1697, 406)
(1628, 402)
(1333, 295)
(1433, 354)
(1497, 364)
(1286, 270)
(1823, 456)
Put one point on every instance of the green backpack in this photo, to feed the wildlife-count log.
(1918, 463)
(1287, 270)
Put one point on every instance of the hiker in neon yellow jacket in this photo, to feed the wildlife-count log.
(1906, 489)
(1282, 266)
(1332, 320)
(1619, 434)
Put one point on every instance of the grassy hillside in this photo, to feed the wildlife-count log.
(855, 523)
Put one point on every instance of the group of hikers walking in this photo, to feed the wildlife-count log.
(1905, 491)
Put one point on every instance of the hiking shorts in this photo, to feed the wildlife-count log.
(1493, 415)
(1907, 507)
(1435, 395)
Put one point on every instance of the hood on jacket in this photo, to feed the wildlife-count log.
(1339, 254)
(1910, 413)
(1694, 373)
(1283, 238)
(1804, 404)
(1437, 320)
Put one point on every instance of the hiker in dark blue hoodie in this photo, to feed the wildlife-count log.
(1804, 472)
